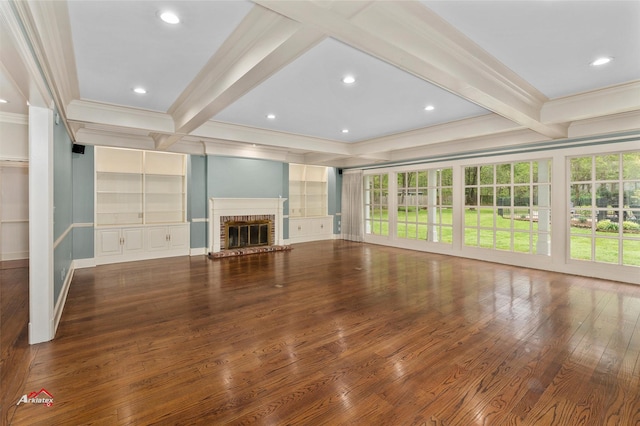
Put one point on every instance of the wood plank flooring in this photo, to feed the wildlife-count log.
(14, 340)
(334, 333)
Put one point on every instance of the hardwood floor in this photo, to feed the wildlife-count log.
(335, 332)
(14, 341)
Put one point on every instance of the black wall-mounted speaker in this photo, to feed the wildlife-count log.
(77, 148)
(339, 171)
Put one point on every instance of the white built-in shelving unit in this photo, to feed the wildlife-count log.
(14, 210)
(140, 205)
(308, 203)
(307, 190)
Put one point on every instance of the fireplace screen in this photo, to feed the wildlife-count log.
(248, 234)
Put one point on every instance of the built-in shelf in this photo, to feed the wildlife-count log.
(138, 187)
(14, 210)
(308, 193)
(140, 205)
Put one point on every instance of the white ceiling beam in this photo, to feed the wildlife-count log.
(119, 116)
(415, 39)
(617, 123)
(238, 133)
(333, 159)
(607, 101)
(49, 30)
(321, 159)
(460, 129)
(485, 145)
(224, 148)
(261, 45)
(17, 59)
(102, 138)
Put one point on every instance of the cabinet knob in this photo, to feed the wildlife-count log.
(299, 227)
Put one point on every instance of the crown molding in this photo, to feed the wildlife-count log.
(237, 133)
(114, 115)
(17, 56)
(625, 122)
(606, 101)
(486, 144)
(489, 124)
(227, 149)
(12, 118)
(102, 138)
(49, 29)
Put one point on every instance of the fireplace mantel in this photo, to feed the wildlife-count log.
(243, 207)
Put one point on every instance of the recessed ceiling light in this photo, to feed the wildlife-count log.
(601, 61)
(4, 101)
(429, 108)
(140, 90)
(169, 17)
(271, 116)
(348, 79)
(345, 130)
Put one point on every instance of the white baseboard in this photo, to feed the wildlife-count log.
(198, 251)
(84, 263)
(57, 311)
(18, 255)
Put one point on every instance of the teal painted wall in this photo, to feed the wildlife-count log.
(230, 177)
(197, 202)
(207, 176)
(83, 204)
(63, 207)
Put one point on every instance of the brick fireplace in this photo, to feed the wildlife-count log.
(246, 231)
(223, 211)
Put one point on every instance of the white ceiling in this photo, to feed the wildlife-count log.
(551, 43)
(518, 69)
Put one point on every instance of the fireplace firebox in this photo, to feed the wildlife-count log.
(239, 234)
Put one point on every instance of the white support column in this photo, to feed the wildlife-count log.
(432, 199)
(544, 202)
(41, 312)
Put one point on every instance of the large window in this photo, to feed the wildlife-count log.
(425, 205)
(376, 193)
(507, 206)
(605, 208)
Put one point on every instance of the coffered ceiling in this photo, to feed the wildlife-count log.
(265, 78)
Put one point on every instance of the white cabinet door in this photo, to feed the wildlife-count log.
(132, 240)
(321, 226)
(167, 237)
(178, 236)
(310, 229)
(147, 242)
(108, 242)
(157, 238)
(298, 228)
